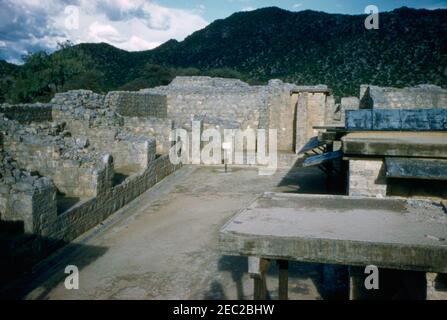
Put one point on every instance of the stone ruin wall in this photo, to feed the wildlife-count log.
(233, 104)
(419, 97)
(374, 97)
(25, 114)
(220, 102)
(367, 177)
(137, 104)
(76, 145)
(72, 150)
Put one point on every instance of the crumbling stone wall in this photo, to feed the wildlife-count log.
(104, 130)
(55, 162)
(79, 99)
(74, 170)
(91, 212)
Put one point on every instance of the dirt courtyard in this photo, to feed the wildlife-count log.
(163, 244)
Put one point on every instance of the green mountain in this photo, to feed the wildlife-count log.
(306, 47)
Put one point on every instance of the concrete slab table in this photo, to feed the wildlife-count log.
(389, 233)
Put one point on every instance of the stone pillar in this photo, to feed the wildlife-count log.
(316, 113)
(301, 121)
(367, 178)
(310, 111)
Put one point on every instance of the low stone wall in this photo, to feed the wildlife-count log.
(26, 113)
(90, 213)
(137, 104)
(46, 231)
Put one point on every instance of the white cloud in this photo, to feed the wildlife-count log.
(297, 5)
(104, 33)
(248, 9)
(126, 24)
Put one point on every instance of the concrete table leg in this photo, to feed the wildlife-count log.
(283, 279)
(257, 268)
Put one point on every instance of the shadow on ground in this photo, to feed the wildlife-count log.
(331, 282)
(19, 253)
(311, 180)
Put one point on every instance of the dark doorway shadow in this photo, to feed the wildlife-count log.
(119, 178)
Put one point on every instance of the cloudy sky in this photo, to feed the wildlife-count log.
(30, 25)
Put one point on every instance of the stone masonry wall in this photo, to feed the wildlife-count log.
(418, 97)
(367, 178)
(233, 104)
(158, 128)
(49, 151)
(26, 113)
(137, 104)
(91, 212)
(47, 231)
(25, 197)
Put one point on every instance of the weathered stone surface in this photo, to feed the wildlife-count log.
(397, 120)
(137, 104)
(416, 168)
(359, 120)
(422, 96)
(367, 178)
(388, 233)
(411, 144)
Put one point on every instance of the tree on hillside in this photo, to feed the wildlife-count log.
(42, 75)
(150, 76)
